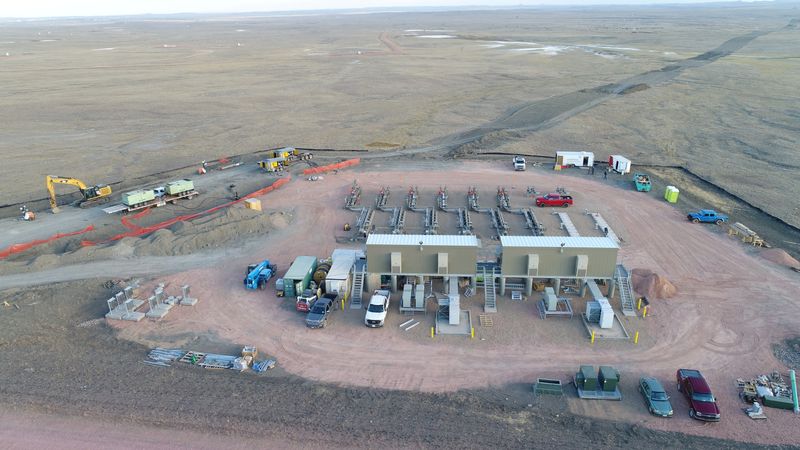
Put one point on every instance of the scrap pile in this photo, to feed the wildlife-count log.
(163, 356)
(770, 390)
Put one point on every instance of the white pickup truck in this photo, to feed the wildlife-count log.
(519, 162)
(377, 309)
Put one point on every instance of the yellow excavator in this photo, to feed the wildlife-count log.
(92, 195)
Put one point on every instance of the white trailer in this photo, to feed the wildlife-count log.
(619, 164)
(577, 159)
(338, 278)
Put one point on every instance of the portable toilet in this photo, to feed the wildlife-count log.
(671, 194)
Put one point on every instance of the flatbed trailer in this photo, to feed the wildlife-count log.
(155, 203)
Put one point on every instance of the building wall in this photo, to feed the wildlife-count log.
(461, 260)
(555, 264)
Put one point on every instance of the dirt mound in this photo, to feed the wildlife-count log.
(651, 285)
(779, 256)
(182, 238)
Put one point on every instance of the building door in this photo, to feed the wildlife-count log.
(585, 161)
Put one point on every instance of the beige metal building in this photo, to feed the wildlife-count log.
(558, 257)
(420, 255)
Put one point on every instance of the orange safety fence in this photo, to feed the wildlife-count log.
(126, 220)
(139, 231)
(329, 167)
(17, 248)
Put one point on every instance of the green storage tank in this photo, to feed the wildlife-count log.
(137, 197)
(608, 378)
(671, 194)
(179, 187)
(586, 378)
(298, 275)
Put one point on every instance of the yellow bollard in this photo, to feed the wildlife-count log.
(592, 337)
(343, 303)
(644, 312)
(636, 338)
(472, 333)
(639, 305)
(432, 332)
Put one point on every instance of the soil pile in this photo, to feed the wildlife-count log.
(222, 229)
(651, 285)
(779, 256)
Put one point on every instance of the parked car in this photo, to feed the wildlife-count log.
(702, 404)
(377, 309)
(519, 162)
(655, 397)
(554, 200)
(707, 216)
(317, 316)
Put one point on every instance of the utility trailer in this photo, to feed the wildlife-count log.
(642, 182)
(149, 198)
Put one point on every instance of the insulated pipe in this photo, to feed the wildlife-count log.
(794, 391)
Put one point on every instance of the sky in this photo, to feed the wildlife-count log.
(53, 8)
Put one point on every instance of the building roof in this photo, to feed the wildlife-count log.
(556, 241)
(451, 240)
(300, 267)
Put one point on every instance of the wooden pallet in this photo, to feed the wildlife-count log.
(486, 320)
(197, 356)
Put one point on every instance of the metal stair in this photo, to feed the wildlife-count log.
(490, 296)
(358, 284)
(625, 291)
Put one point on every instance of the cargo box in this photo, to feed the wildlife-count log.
(137, 197)
(179, 187)
(778, 402)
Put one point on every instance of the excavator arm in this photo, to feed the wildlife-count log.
(91, 195)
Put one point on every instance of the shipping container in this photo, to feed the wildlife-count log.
(137, 197)
(179, 187)
(577, 159)
(619, 164)
(299, 274)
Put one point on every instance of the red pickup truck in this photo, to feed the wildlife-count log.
(554, 200)
(702, 404)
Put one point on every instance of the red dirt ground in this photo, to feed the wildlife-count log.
(730, 307)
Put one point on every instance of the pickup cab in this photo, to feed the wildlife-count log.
(707, 216)
(554, 199)
(519, 162)
(702, 404)
(317, 316)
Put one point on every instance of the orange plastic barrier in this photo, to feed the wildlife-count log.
(16, 248)
(329, 167)
(136, 230)
(126, 220)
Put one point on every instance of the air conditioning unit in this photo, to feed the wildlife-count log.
(442, 264)
(533, 265)
(581, 266)
(396, 262)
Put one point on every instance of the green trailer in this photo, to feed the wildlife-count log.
(299, 275)
(642, 182)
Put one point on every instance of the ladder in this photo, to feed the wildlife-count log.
(625, 291)
(358, 285)
(490, 296)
